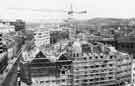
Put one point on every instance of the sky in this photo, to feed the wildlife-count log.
(95, 8)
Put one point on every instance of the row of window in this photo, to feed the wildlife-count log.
(123, 58)
(94, 57)
(81, 67)
(95, 72)
(52, 81)
(131, 45)
(94, 80)
(95, 75)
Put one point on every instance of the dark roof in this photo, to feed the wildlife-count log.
(64, 59)
(40, 55)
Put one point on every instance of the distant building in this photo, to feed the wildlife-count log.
(19, 25)
(42, 36)
(56, 36)
(101, 65)
(6, 28)
(47, 34)
(126, 44)
(12, 49)
(3, 56)
(3, 63)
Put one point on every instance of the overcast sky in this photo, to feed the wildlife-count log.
(95, 8)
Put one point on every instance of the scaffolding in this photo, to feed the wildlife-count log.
(84, 69)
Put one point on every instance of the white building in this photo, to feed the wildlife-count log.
(45, 81)
(133, 72)
(29, 55)
(42, 36)
(6, 28)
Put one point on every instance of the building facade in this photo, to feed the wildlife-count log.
(6, 28)
(93, 69)
(133, 72)
(42, 36)
(86, 65)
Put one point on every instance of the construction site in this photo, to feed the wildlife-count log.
(82, 64)
(71, 52)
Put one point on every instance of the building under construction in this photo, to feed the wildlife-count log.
(100, 65)
(83, 64)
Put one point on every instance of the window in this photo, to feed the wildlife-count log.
(90, 57)
(111, 57)
(63, 72)
(66, 66)
(103, 65)
(77, 54)
(97, 65)
(77, 77)
(111, 73)
(127, 58)
(102, 78)
(63, 80)
(41, 82)
(101, 57)
(85, 75)
(85, 80)
(111, 64)
(77, 81)
(85, 67)
(96, 57)
(77, 69)
(85, 58)
(47, 81)
(131, 45)
(39, 33)
(91, 80)
(110, 77)
(74, 55)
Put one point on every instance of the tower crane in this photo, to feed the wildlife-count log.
(70, 20)
(69, 12)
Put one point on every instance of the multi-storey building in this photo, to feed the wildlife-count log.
(126, 43)
(51, 34)
(84, 64)
(133, 72)
(3, 55)
(6, 28)
(101, 65)
(42, 36)
(46, 72)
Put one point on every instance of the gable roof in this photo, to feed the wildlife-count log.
(40, 55)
